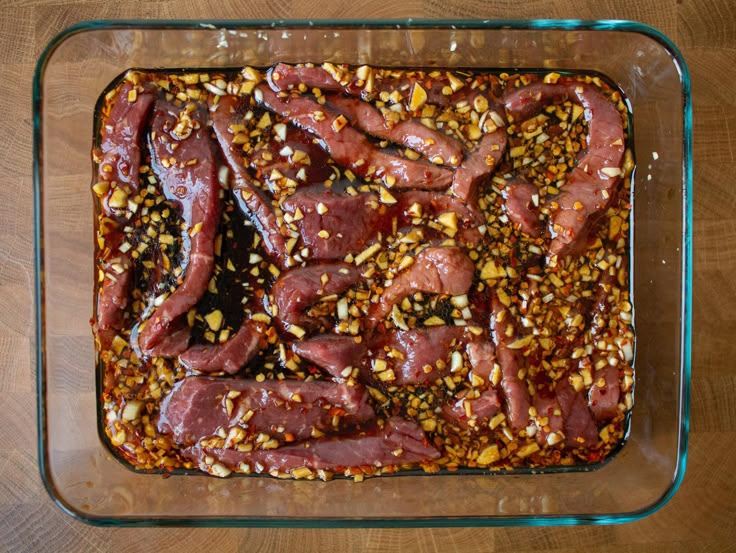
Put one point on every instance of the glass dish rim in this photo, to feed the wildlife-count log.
(459, 24)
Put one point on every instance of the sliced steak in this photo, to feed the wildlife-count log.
(183, 158)
(436, 146)
(251, 199)
(414, 355)
(594, 182)
(331, 352)
(119, 165)
(515, 393)
(580, 428)
(283, 77)
(482, 358)
(121, 137)
(198, 407)
(549, 420)
(473, 413)
(479, 165)
(399, 442)
(522, 206)
(469, 219)
(604, 394)
(297, 289)
(230, 356)
(350, 148)
(436, 270)
(349, 223)
(114, 293)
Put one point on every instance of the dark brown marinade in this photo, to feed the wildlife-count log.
(571, 313)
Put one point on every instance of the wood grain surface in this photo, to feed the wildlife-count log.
(701, 516)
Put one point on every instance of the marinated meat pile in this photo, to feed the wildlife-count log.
(316, 270)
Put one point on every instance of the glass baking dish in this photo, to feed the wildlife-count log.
(84, 478)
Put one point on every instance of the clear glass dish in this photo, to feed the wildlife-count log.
(84, 478)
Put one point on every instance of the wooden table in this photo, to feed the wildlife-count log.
(701, 516)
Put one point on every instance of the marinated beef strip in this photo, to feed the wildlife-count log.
(470, 223)
(283, 77)
(515, 392)
(229, 356)
(473, 413)
(436, 270)
(114, 292)
(350, 148)
(332, 224)
(251, 199)
(398, 442)
(522, 206)
(579, 427)
(548, 418)
(414, 357)
(183, 158)
(605, 392)
(334, 353)
(593, 184)
(200, 407)
(118, 180)
(120, 144)
(436, 146)
(479, 165)
(297, 289)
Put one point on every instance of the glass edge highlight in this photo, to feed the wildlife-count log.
(513, 24)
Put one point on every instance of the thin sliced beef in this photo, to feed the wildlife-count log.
(114, 293)
(605, 393)
(349, 222)
(251, 199)
(331, 352)
(515, 393)
(119, 165)
(350, 148)
(413, 355)
(183, 158)
(522, 207)
(482, 358)
(479, 165)
(436, 146)
(580, 428)
(549, 420)
(198, 407)
(593, 183)
(284, 77)
(399, 442)
(230, 356)
(297, 289)
(436, 270)
(121, 137)
(469, 219)
(473, 413)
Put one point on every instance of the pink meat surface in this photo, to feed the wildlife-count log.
(229, 356)
(186, 168)
(399, 442)
(350, 148)
(288, 410)
(331, 352)
(251, 199)
(436, 146)
(436, 270)
(479, 165)
(594, 182)
(297, 289)
(413, 355)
